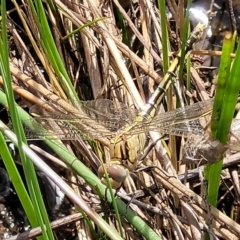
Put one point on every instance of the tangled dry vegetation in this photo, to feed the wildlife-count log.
(103, 62)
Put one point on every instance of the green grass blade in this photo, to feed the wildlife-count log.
(226, 98)
(230, 99)
(36, 217)
(17, 181)
(114, 203)
(184, 35)
(125, 31)
(223, 75)
(51, 51)
(165, 41)
(82, 27)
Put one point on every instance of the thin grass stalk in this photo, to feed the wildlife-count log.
(125, 32)
(90, 225)
(164, 37)
(51, 51)
(81, 28)
(114, 203)
(184, 35)
(188, 81)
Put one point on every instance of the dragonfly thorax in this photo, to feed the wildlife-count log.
(126, 149)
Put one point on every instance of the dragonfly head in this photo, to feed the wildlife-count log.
(116, 173)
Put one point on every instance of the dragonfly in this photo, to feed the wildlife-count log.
(128, 138)
(127, 128)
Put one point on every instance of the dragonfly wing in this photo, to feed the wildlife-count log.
(179, 129)
(234, 140)
(54, 129)
(105, 112)
(181, 122)
(71, 126)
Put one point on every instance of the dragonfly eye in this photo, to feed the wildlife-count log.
(115, 172)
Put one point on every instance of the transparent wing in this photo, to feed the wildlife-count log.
(234, 140)
(108, 114)
(180, 122)
(104, 119)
